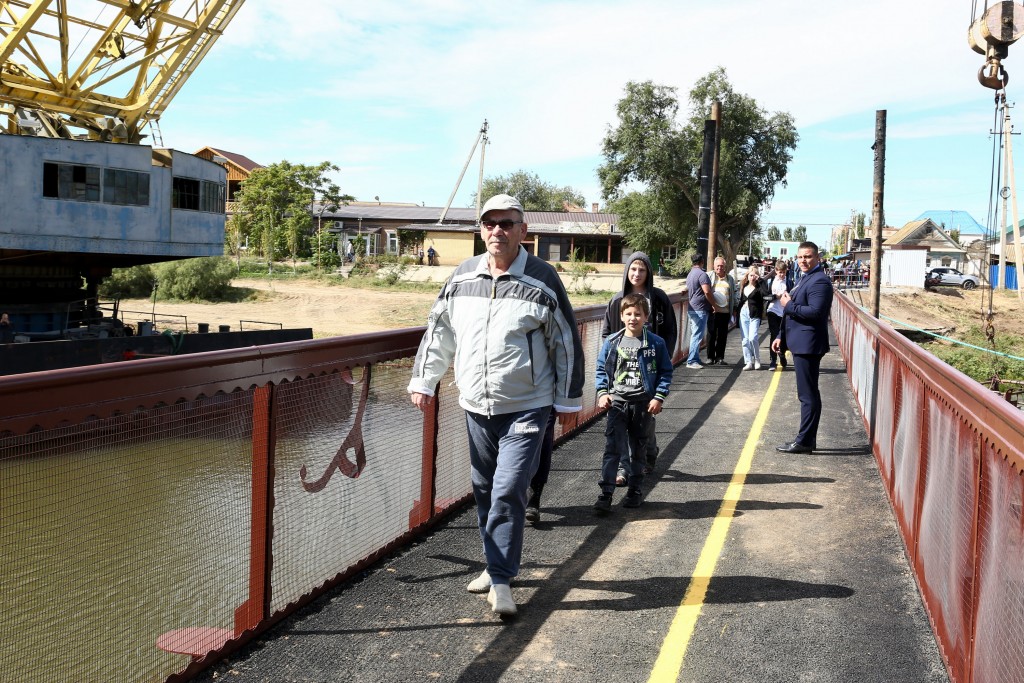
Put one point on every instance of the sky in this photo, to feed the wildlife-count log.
(395, 93)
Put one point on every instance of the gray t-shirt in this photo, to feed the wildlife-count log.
(696, 278)
(627, 384)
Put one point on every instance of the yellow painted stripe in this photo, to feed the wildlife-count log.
(673, 649)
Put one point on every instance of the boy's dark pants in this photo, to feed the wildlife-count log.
(625, 430)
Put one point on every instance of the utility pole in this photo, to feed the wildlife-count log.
(706, 183)
(1004, 192)
(716, 116)
(1012, 175)
(877, 213)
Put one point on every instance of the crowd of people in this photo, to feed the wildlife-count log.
(504, 319)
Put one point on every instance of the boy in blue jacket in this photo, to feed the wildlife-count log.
(634, 371)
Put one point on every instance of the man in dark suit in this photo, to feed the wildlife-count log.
(804, 332)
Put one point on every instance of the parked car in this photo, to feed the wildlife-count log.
(950, 276)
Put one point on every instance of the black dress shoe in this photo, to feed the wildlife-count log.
(793, 447)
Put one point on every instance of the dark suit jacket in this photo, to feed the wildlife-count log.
(805, 320)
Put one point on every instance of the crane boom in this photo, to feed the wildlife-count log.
(110, 75)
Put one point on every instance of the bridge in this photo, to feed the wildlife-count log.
(283, 513)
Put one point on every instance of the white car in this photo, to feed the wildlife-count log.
(952, 276)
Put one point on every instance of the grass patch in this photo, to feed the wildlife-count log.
(982, 365)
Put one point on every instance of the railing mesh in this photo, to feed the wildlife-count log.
(153, 511)
(951, 456)
(120, 529)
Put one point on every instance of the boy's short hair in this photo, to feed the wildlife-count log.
(635, 300)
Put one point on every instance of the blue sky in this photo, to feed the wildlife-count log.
(395, 92)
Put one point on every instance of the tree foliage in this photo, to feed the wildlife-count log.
(773, 233)
(650, 146)
(800, 234)
(643, 220)
(276, 203)
(534, 194)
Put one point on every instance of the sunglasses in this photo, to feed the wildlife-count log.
(504, 225)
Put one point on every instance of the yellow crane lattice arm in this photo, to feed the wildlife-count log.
(84, 62)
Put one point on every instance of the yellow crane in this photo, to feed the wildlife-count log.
(100, 69)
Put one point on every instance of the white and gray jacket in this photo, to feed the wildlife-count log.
(513, 339)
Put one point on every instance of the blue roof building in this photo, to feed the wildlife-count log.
(969, 229)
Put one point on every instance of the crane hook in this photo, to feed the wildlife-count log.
(993, 75)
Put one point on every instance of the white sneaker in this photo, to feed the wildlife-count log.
(500, 599)
(757, 365)
(694, 366)
(480, 584)
(748, 366)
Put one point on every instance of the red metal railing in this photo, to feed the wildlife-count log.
(157, 514)
(951, 455)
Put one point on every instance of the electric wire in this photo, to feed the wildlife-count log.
(958, 342)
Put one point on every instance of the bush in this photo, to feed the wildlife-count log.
(195, 279)
(128, 283)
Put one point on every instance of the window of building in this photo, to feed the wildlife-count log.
(669, 253)
(185, 194)
(197, 195)
(947, 260)
(211, 197)
(767, 251)
(71, 181)
(129, 188)
(392, 241)
(784, 251)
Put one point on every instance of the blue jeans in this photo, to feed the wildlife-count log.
(625, 431)
(698, 325)
(748, 328)
(503, 453)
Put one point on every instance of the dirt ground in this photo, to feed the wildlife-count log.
(329, 310)
(338, 310)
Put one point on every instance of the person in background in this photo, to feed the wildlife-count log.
(698, 289)
(805, 331)
(753, 295)
(634, 372)
(6, 329)
(778, 284)
(505, 320)
(723, 288)
(431, 256)
(638, 278)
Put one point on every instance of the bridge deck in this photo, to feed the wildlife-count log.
(802, 577)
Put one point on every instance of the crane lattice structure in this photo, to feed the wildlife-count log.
(100, 69)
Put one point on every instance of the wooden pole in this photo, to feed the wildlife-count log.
(1003, 191)
(716, 116)
(877, 213)
(1016, 221)
(704, 205)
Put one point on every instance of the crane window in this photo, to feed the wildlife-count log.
(185, 194)
(129, 188)
(198, 195)
(71, 181)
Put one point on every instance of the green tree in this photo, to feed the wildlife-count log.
(861, 217)
(800, 234)
(534, 193)
(773, 233)
(649, 146)
(787, 234)
(277, 204)
(643, 221)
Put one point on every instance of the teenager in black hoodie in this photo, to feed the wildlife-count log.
(638, 278)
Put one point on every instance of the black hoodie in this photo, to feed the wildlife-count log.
(662, 321)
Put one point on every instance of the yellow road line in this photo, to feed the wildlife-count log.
(673, 649)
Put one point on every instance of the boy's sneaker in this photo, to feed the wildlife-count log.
(748, 366)
(757, 365)
(633, 499)
(480, 584)
(603, 503)
(500, 599)
(694, 366)
(772, 366)
(533, 508)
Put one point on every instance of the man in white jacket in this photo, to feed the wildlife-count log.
(506, 321)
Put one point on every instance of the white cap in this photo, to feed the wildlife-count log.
(502, 202)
